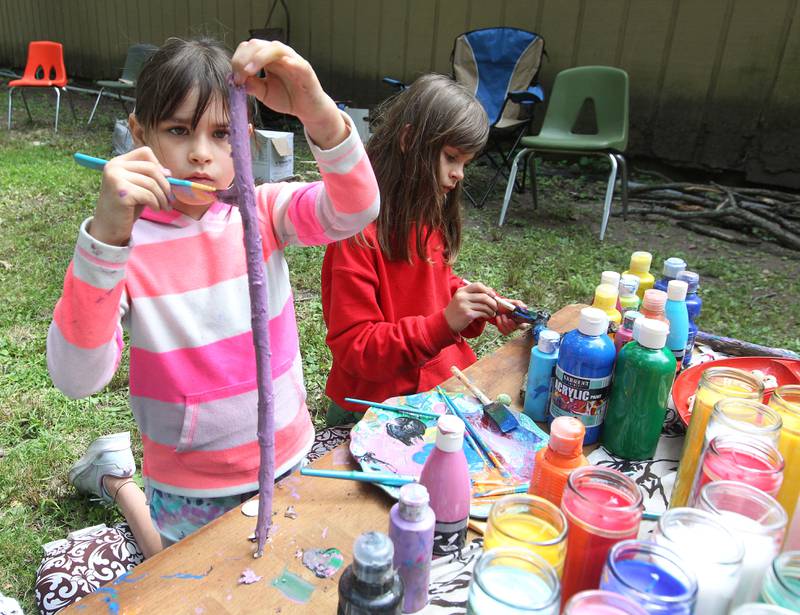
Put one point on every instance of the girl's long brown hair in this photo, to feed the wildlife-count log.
(412, 128)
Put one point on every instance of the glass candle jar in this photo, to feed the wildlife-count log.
(782, 583)
(599, 602)
(529, 522)
(602, 507)
(715, 383)
(513, 581)
(712, 551)
(758, 519)
(758, 608)
(785, 401)
(744, 459)
(651, 575)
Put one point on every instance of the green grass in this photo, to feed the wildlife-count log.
(548, 260)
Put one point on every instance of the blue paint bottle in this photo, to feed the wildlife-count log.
(678, 316)
(672, 267)
(540, 374)
(582, 381)
(694, 304)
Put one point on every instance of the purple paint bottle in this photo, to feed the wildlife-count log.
(446, 476)
(411, 523)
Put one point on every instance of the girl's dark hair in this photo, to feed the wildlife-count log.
(412, 128)
(173, 71)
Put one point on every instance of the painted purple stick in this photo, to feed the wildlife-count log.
(244, 186)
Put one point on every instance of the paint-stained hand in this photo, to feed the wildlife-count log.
(504, 323)
(131, 182)
(290, 86)
(468, 303)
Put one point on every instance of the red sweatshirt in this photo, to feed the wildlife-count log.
(386, 326)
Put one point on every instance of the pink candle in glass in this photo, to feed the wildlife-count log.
(744, 459)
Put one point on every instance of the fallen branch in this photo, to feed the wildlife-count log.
(718, 234)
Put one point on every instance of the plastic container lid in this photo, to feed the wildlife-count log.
(372, 558)
(691, 278)
(592, 322)
(566, 435)
(651, 333)
(654, 300)
(414, 500)
(628, 285)
(673, 266)
(450, 433)
(610, 277)
(640, 262)
(676, 290)
(605, 297)
(629, 319)
(549, 341)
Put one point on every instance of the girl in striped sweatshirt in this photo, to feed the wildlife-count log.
(174, 276)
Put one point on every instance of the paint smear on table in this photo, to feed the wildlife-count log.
(187, 575)
(324, 563)
(248, 577)
(293, 587)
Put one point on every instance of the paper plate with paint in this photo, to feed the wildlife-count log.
(773, 372)
(385, 441)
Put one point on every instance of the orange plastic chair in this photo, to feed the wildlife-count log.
(44, 69)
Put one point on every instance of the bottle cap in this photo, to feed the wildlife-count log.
(628, 285)
(691, 278)
(654, 300)
(414, 500)
(566, 435)
(676, 290)
(640, 262)
(605, 297)
(651, 333)
(549, 341)
(592, 322)
(449, 433)
(673, 266)
(610, 277)
(629, 318)
(372, 558)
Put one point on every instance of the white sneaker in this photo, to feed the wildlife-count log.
(109, 455)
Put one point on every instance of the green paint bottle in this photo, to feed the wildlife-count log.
(642, 381)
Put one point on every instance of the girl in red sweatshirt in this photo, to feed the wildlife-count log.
(396, 313)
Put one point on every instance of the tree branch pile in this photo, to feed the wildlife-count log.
(740, 215)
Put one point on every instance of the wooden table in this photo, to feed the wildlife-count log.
(200, 573)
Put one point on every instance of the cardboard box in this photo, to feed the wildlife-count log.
(273, 155)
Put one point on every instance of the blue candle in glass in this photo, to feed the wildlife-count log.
(652, 576)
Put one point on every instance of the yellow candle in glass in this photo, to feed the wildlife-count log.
(786, 401)
(716, 383)
(530, 522)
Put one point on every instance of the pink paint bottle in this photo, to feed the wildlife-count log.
(625, 332)
(446, 476)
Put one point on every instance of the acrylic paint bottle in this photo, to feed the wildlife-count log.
(653, 305)
(628, 299)
(640, 267)
(446, 476)
(411, 523)
(678, 316)
(610, 277)
(605, 298)
(582, 381)
(555, 462)
(540, 375)
(694, 304)
(371, 585)
(672, 267)
(625, 332)
(638, 404)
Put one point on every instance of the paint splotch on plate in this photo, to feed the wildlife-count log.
(385, 441)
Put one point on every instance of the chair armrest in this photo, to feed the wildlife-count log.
(531, 95)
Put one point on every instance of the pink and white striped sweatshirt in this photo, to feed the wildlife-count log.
(180, 290)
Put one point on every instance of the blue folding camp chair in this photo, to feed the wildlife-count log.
(500, 66)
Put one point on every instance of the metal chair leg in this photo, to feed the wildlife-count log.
(96, 102)
(10, 92)
(58, 107)
(27, 109)
(510, 185)
(612, 180)
(624, 184)
(71, 105)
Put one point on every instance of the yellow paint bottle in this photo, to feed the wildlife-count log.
(786, 401)
(640, 267)
(605, 299)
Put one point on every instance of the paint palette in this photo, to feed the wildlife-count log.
(386, 441)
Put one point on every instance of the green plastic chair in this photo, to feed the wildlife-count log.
(607, 88)
(137, 56)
